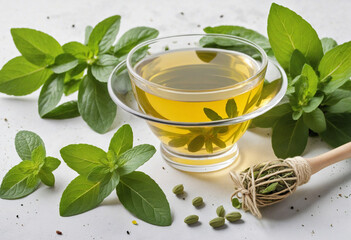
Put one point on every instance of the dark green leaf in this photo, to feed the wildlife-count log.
(212, 115)
(297, 114)
(297, 62)
(289, 137)
(122, 140)
(71, 86)
(343, 106)
(196, 144)
(218, 142)
(336, 96)
(20, 181)
(95, 105)
(63, 63)
(231, 109)
(82, 158)
(208, 146)
(285, 29)
(50, 94)
(315, 120)
(236, 203)
(338, 129)
(103, 67)
(313, 103)
(268, 119)
(328, 44)
(26, 142)
(132, 38)
(141, 196)
(133, 158)
(19, 77)
(37, 47)
(104, 34)
(77, 50)
(64, 111)
(179, 141)
(47, 178)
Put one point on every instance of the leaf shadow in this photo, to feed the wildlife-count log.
(110, 201)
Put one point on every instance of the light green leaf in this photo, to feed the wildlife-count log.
(88, 30)
(268, 119)
(133, 37)
(82, 158)
(47, 178)
(122, 140)
(297, 61)
(104, 34)
(26, 142)
(328, 44)
(50, 94)
(313, 103)
(133, 158)
(38, 155)
(212, 115)
(315, 120)
(270, 188)
(285, 31)
(103, 67)
(312, 80)
(95, 105)
(343, 106)
(338, 129)
(50, 164)
(142, 197)
(231, 109)
(37, 47)
(19, 77)
(63, 63)
(64, 111)
(98, 173)
(78, 50)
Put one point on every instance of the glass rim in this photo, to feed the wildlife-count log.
(223, 122)
(239, 85)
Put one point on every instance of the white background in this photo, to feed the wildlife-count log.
(319, 212)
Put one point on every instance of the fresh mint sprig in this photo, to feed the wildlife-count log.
(101, 172)
(318, 98)
(24, 178)
(63, 70)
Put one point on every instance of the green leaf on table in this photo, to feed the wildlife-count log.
(142, 197)
(268, 119)
(19, 77)
(122, 140)
(50, 164)
(212, 115)
(315, 120)
(328, 44)
(285, 29)
(343, 106)
(133, 37)
(26, 142)
(335, 64)
(103, 67)
(88, 30)
(77, 49)
(64, 111)
(231, 108)
(20, 181)
(289, 137)
(196, 143)
(63, 63)
(338, 129)
(47, 178)
(50, 94)
(37, 47)
(104, 34)
(133, 158)
(82, 158)
(297, 61)
(38, 155)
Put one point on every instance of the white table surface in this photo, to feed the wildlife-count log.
(322, 208)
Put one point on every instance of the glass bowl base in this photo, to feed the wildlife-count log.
(207, 163)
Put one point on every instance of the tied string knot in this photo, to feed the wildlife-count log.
(246, 183)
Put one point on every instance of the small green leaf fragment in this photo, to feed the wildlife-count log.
(236, 203)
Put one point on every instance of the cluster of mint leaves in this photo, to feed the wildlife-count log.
(318, 99)
(63, 70)
(24, 178)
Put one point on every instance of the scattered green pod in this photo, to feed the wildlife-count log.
(217, 222)
(191, 219)
(198, 201)
(233, 216)
(220, 211)
(178, 189)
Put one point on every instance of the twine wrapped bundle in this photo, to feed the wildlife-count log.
(270, 182)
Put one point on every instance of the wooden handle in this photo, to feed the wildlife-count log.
(319, 162)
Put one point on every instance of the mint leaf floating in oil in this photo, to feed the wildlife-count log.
(24, 178)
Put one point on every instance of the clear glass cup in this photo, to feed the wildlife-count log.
(197, 140)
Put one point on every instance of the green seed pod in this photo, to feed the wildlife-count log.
(217, 222)
(220, 211)
(178, 189)
(198, 201)
(191, 219)
(233, 216)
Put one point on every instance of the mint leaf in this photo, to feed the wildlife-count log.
(71, 87)
(37, 47)
(328, 44)
(103, 67)
(98, 173)
(50, 164)
(196, 143)
(78, 50)
(268, 119)
(38, 155)
(141, 196)
(297, 61)
(63, 63)
(285, 29)
(88, 30)
(312, 80)
(315, 120)
(336, 64)
(19, 77)
(231, 109)
(82, 158)
(64, 111)
(338, 129)
(336, 96)
(289, 137)
(19, 181)
(313, 103)
(212, 115)
(133, 37)
(122, 140)
(26, 142)
(104, 34)
(95, 105)
(47, 178)
(343, 106)
(82, 195)
(133, 158)
(50, 94)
